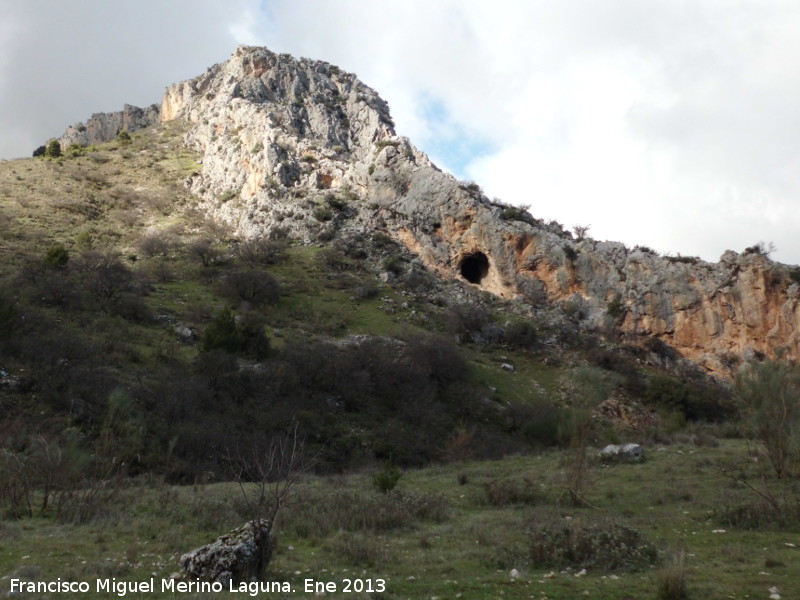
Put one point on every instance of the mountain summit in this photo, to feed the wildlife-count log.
(280, 135)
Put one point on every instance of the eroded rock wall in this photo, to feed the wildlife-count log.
(104, 127)
(280, 135)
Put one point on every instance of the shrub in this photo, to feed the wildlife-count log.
(156, 243)
(56, 256)
(386, 479)
(104, 276)
(770, 393)
(323, 213)
(672, 578)
(221, 334)
(393, 264)
(521, 335)
(616, 307)
(262, 251)
(360, 550)
(204, 250)
(75, 150)
(254, 286)
(53, 149)
(84, 241)
(517, 213)
(467, 320)
(505, 492)
(8, 317)
(124, 138)
(605, 546)
(767, 512)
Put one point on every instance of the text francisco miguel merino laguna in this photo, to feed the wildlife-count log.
(121, 588)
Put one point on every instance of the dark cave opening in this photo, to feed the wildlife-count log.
(474, 267)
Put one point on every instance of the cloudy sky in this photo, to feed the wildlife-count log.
(668, 123)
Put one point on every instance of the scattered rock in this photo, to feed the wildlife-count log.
(508, 367)
(237, 556)
(184, 332)
(622, 452)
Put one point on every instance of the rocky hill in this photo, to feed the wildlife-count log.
(280, 135)
(103, 127)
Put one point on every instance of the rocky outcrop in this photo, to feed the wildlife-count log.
(288, 143)
(237, 556)
(104, 127)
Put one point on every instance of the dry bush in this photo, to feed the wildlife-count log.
(156, 243)
(603, 546)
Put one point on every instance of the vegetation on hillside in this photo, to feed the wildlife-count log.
(143, 346)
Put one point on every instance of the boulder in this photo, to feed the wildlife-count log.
(622, 452)
(237, 556)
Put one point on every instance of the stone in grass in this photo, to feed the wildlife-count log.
(237, 556)
(622, 452)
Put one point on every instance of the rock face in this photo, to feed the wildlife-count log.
(305, 147)
(237, 556)
(104, 127)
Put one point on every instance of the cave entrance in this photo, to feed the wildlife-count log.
(474, 267)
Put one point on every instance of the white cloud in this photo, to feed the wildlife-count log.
(663, 123)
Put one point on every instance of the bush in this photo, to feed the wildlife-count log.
(605, 546)
(75, 150)
(204, 250)
(8, 317)
(467, 321)
(770, 393)
(616, 307)
(506, 492)
(360, 550)
(261, 251)
(56, 256)
(247, 336)
(156, 243)
(386, 480)
(521, 335)
(53, 149)
(221, 334)
(767, 512)
(672, 578)
(254, 286)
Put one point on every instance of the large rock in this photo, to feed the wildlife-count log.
(622, 453)
(237, 556)
(104, 127)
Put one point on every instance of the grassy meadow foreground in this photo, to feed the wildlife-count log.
(453, 531)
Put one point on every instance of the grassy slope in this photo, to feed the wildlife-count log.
(671, 499)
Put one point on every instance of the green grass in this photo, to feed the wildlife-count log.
(467, 546)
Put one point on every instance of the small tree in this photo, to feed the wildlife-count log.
(266, 476)
(770, 395)
(581, 231)
(53, 149)
(591, 386)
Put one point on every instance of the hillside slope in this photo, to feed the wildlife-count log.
(273, 129)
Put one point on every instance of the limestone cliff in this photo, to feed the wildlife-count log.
(104, 127)
(284, 140)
